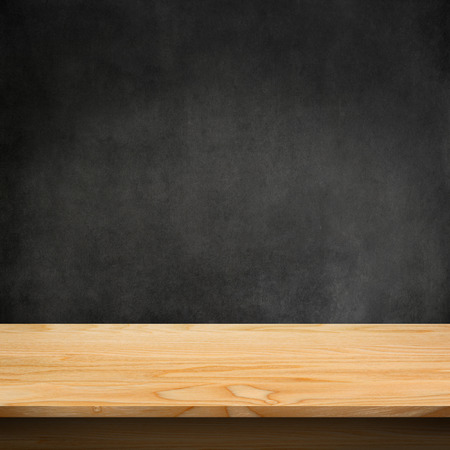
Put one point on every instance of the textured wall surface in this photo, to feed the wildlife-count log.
(225, 161)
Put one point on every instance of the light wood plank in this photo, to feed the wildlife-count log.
(224, 370)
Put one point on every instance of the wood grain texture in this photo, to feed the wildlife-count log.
(224, 370)
(224, 434)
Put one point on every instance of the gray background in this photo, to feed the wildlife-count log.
(225, 161)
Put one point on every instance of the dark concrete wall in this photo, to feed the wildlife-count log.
(225, 161)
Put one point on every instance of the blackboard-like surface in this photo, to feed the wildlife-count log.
(225, 161)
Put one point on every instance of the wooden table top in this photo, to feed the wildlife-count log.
(92, 370)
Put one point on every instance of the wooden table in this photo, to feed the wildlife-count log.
(224, 370)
